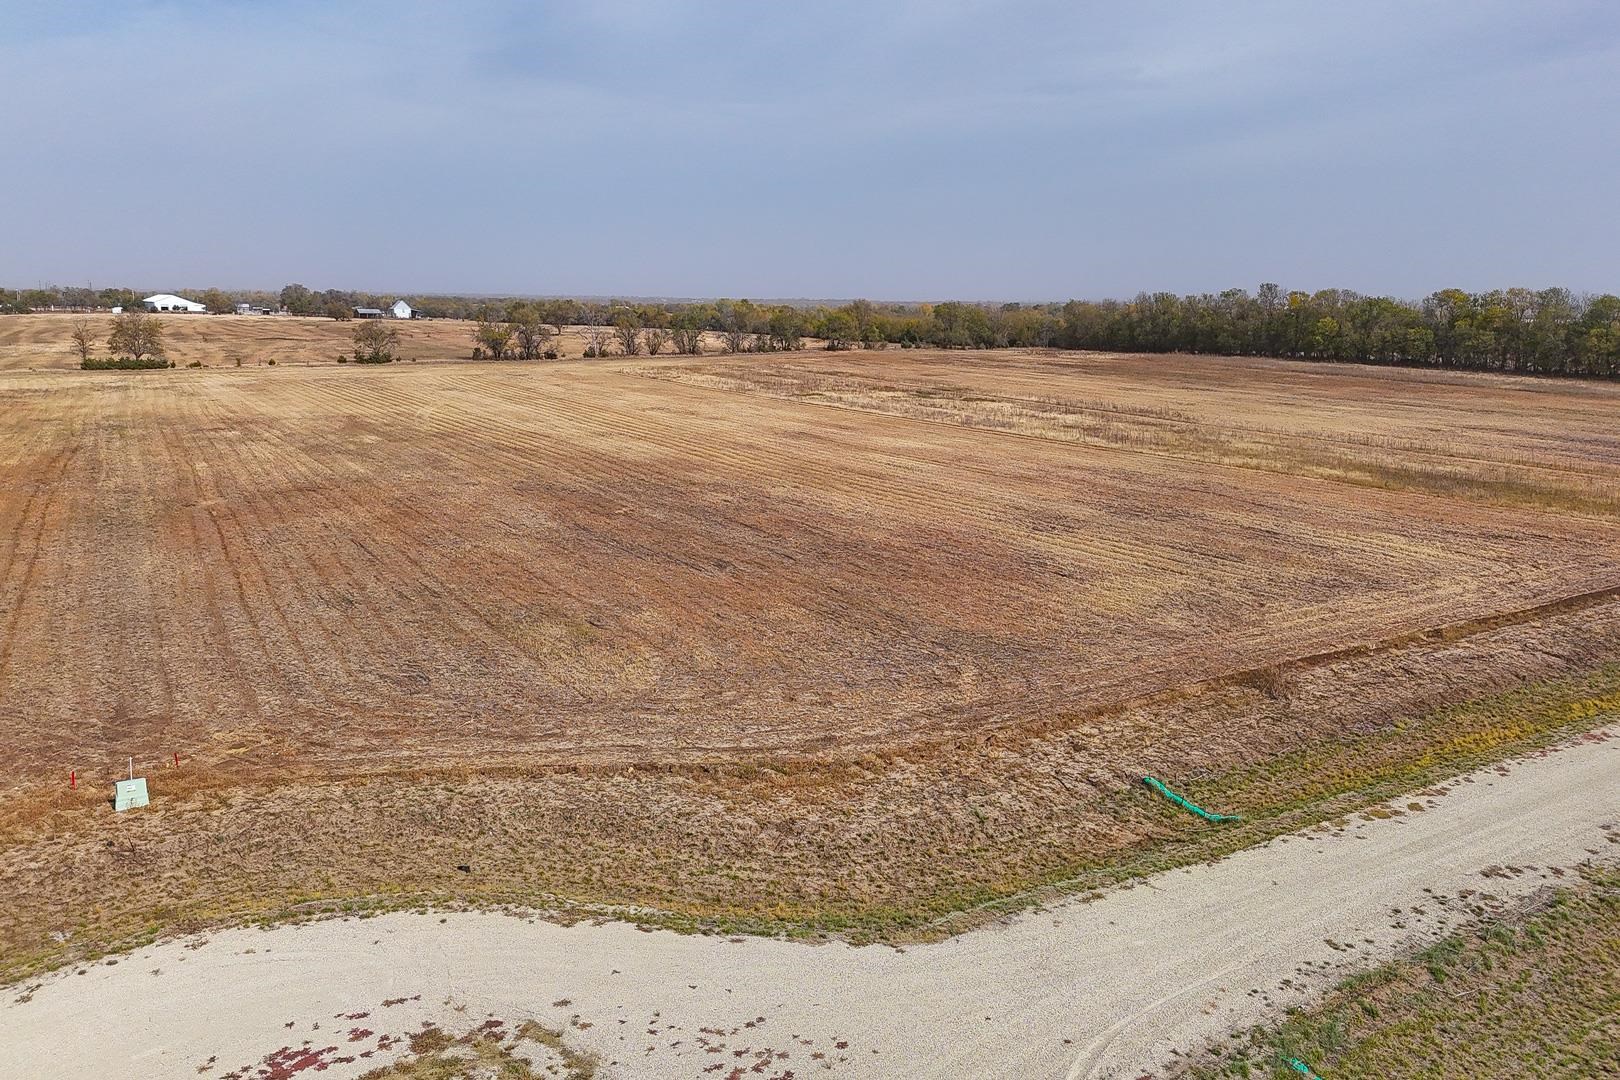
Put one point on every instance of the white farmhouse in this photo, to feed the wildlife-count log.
(169, 302)
(401, 310)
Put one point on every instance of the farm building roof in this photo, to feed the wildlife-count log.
(164, 299)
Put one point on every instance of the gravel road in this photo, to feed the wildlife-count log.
(1110, 988)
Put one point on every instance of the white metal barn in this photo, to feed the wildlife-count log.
(401, 310)
(169, 302)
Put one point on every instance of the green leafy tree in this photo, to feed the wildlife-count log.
(298, 300)
(688, 332)
(374, 342)
(136, 335)
(786, 328)
(627, 326)
(492, 338)
(529, 329)
(840, 329)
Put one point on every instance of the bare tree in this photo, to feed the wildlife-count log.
(84, 340)
(627, 328)
(656, 338)
(594, 318)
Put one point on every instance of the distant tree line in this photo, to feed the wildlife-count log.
(1544, 332)
(1539, 332)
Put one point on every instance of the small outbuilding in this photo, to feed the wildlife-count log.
(170, 302)
(368, 313)
(401, 310)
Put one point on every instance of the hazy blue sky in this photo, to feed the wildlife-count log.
(917, 149)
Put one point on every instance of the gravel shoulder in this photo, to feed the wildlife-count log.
(1109, 988)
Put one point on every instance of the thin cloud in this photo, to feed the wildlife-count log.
(889, 149)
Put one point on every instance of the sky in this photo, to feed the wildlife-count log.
(909, 150)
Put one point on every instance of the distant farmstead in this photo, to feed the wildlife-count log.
(401, 310)
(170, 302)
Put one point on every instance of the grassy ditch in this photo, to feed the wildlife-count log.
(880, 854)
(1537, 996)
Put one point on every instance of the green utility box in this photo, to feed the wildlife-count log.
(130, 794)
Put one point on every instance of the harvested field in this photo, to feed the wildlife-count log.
(672, 641)
(44, 341)
(1507, 440)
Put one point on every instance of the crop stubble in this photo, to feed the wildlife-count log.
(310, 577)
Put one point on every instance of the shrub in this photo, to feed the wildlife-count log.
(126, 363)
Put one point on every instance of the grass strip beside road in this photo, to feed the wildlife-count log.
(947, 888)
(1523, 998)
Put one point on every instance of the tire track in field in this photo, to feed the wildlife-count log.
(699, 525)
(427, 529)
(1403, 547)
(1005, 379)
(877, 490)
(271, 452)
(283, 561)
(617, 428)
(1395, 545)
(41, 510)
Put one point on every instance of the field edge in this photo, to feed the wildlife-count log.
(1570, 715)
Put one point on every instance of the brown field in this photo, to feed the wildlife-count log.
(1506, 440)
(676, 633)
(44, 341)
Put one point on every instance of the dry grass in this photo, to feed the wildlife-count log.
(1513, 442)
(345, 571)
(895, 849)
(609, 640)
(44, 341)
(488, 1052)
(1515, 999)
